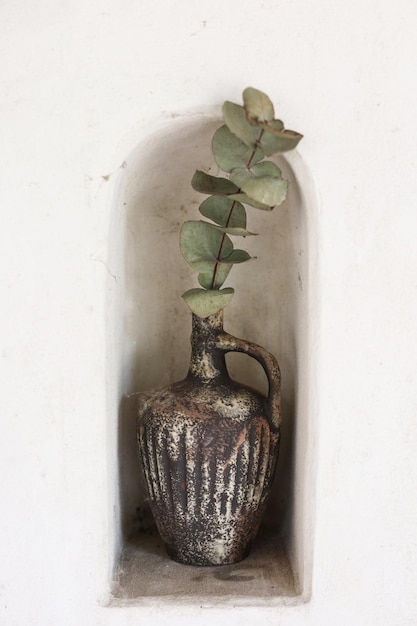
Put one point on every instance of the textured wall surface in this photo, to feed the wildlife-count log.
(82, 84)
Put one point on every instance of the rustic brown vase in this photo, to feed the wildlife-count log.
(209, 448)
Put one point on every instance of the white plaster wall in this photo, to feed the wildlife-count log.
(81, 83)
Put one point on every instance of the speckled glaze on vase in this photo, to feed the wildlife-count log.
(209, 448)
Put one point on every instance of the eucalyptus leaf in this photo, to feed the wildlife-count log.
(200, 243)
(235, 118)
(204, 266)
(267, 190)
(243, 197)
(205, 183)
(229, 151)
(238, 256)
(276, 140)
(221, 269)
(258, 106)
(266, 168)
(218, 208)
(275, 125)
(236, 232)
(206, 278)
(204, 302)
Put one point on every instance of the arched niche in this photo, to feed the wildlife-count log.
(275, 305)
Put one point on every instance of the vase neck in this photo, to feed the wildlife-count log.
(207, 360)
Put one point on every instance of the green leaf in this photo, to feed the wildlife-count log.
(235, 118)
(206, 278)
(267, 168)
(217, 208)
(236, 232)
(230, 152)
(207, 302)
(276, 139)
(243, 197)
(258, 106)
(238, 256)
(204, 183)
(223, 269)
(200, 243)
(266, 189)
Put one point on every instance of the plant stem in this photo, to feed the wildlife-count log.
(229, 217)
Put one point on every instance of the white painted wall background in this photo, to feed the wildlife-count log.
(80, 83)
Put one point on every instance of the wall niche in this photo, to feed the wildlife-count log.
(275, 305)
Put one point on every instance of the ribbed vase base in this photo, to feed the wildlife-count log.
(188, 557)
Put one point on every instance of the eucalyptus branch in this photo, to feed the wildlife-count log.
(229, 217)
(240, 147)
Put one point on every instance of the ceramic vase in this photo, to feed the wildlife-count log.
(209, 448)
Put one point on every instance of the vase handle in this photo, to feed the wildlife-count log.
(229, 343)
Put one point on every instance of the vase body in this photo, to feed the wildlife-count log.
(209, 448)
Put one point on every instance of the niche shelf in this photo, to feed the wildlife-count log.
(274, 306)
